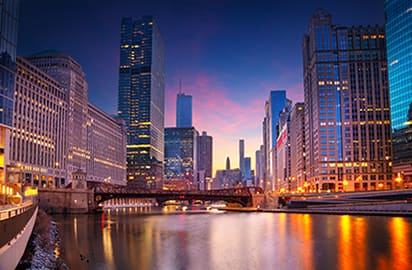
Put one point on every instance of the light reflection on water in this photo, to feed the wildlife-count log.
(129, 239)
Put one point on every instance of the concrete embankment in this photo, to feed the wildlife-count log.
(387, 209)
(42, 251)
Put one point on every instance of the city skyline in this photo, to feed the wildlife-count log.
(220, 66)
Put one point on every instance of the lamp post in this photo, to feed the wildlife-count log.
(345, 183)
(398, 180)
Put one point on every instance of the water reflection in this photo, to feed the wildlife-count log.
(145, 239)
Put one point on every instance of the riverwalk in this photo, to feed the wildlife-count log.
(398, 208)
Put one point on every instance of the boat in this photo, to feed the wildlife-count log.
(18, 214)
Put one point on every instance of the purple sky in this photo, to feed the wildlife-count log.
(229, 53)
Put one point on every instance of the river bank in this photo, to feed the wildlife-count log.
(42, 251)
(385, 209)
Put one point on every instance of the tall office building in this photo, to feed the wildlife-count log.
(106, 141)
(348, 134)
(183, 110)
(242, 157)
(273, 106)
(9, 10)
(399, 49)
(206, 154)
(297, 147)
(94, 141)
(72, 79)
(248, 168)
(141, 98)
(181, 150)
(38, 141)
(258, 166)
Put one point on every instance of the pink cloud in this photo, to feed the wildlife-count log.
(217, 111)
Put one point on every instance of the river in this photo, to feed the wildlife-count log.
(145, 238)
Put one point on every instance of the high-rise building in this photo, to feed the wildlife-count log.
(273, 106)
(297, 147)
(42, 148)
(141, 98)
(242, 157)
(72, 79)
(248, 174)
(9, 10)
(227, 163)
(106, 141)
(206, 154)
(399, 49)
(183, 110)
(258, 166)
(181, 153)
(228, 178)
(348, 134)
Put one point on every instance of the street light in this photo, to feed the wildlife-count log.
(345, 183)
(398, 178)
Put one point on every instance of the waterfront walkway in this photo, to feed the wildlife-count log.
(397, 208)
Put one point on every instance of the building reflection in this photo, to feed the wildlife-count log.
(400, 244)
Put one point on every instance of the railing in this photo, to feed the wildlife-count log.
(8, 211)
(13, 220)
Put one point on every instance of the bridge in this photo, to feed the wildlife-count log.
(249, 196)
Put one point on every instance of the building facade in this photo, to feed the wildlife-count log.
(227, 179)
(206, 154)
(181, 150)
(242, 157)
(106, 142)
(399, 49)
(248, 169)
(348, 135)
(183, 110)
(273, 106)
(297, 147)
(93, 142)
(9, 11)
(141, 98)
(38, 141)
(72, 80)
(258, 167)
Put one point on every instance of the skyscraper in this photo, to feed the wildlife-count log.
(206, 154)
(242, 157)
(183, 110)
(72, 79)
(181, 153)
(258, 166)
(94, 142)
(248, 169)
(8, 41)
(297, 146)
(399, 48)
(346, 93)
(141, 98)
(273, 106)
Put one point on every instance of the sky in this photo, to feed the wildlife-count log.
(229, 54)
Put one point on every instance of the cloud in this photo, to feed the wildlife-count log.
(217, 111)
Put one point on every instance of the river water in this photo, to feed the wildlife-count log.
(144, 238)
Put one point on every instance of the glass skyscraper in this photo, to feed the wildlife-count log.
(181, 148)
(399, 48)
(8, 43)
(141, 98)
(273, 107)
(183, 111)
(348, 136)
